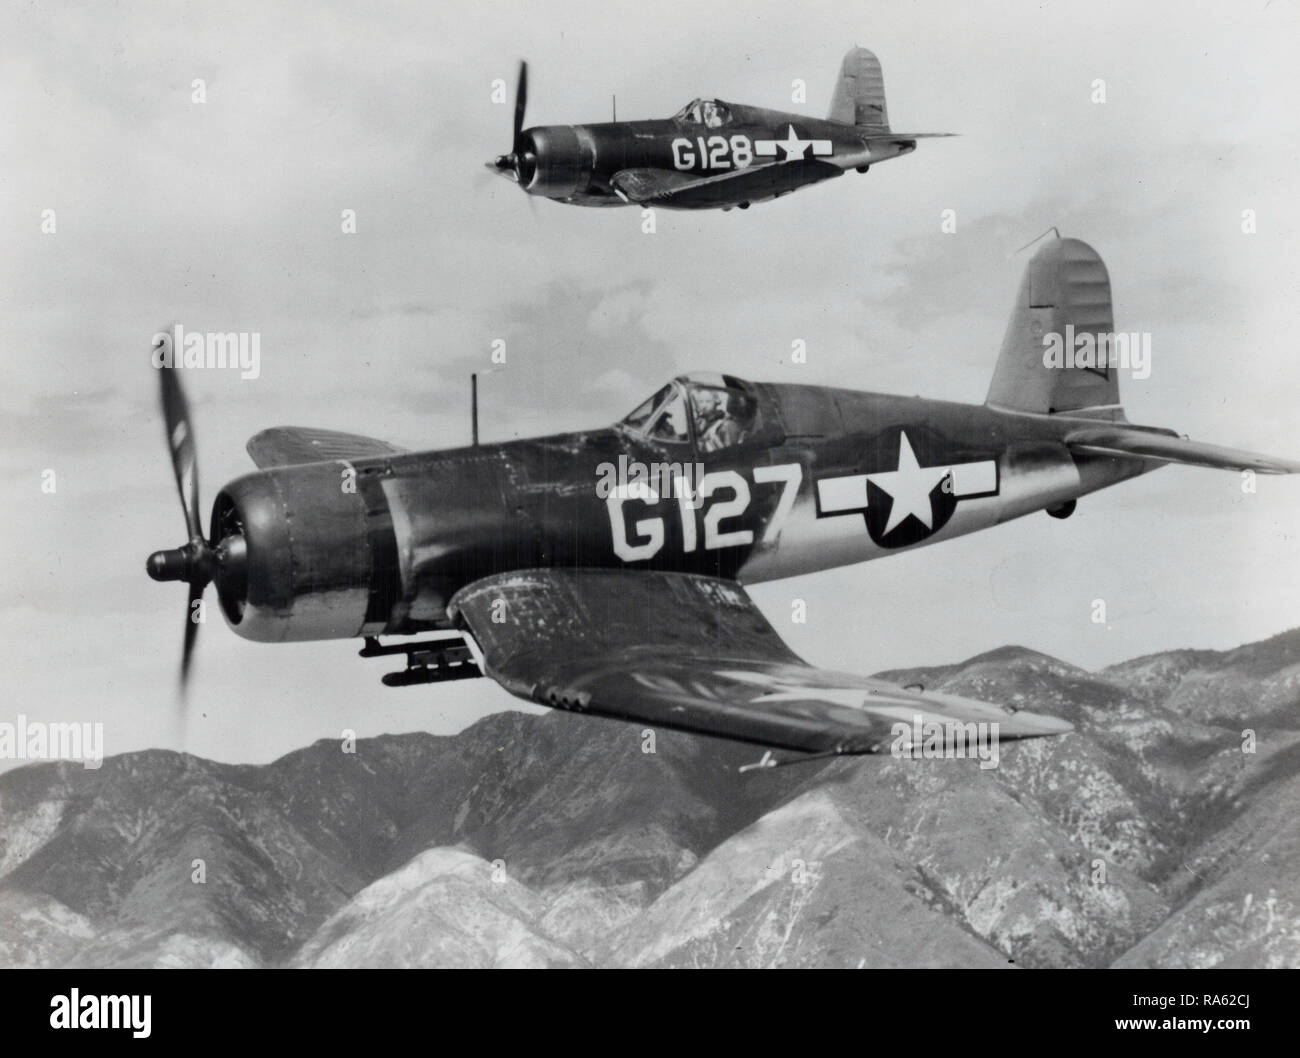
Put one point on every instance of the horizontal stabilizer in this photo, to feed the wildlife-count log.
(890, 137)
(1118, 441)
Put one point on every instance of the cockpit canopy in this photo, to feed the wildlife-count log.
(713, 411)
(708, 113)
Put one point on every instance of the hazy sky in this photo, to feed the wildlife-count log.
(225, 216)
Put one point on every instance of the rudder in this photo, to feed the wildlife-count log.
(1066, 293)
(859, 97)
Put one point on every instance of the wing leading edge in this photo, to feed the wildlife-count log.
(755, 182)
(283, 446)
(695, 654)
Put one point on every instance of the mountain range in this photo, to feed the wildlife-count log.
(1162, 832)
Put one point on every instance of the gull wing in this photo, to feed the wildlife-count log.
(752, 183)
(693, 653)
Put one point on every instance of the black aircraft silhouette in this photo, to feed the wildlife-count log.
(604, 571)
(710, 154)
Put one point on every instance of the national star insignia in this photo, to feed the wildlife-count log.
(795, 148)
(909, 487)
(901, 707)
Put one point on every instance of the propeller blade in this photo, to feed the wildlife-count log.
(197, 562)
(191, 631)
(521, 103)
(180, 440)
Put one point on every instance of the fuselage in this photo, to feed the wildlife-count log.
(575, 163)
(818, 478)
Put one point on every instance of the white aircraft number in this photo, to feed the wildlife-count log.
(715, 152)
(722, 495)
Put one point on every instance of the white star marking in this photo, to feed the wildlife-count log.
(900, 706)
(795, 149)
(793, 146)
(909, 487)
(834, 695)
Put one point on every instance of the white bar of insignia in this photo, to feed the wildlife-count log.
(970, 479)
(842, 494)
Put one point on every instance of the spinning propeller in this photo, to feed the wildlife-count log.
(199, 562)
(520, 164)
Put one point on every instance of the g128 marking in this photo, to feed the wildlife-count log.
(716, 152)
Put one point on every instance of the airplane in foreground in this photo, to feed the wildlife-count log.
(604, 571)
(710, 154)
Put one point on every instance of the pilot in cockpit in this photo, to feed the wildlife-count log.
(713, 115)
(721, 419)
(708, 404)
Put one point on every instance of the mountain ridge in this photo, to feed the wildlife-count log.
(1157, 833)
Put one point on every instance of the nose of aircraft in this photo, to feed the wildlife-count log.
(519, 165)
(513, 165)
(506, 165)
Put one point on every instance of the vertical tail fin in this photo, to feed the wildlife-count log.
(859, 97)
(1064, 298)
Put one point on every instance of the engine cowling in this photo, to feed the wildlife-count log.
(556, 162)
(321, 555)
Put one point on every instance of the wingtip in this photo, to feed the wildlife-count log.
(1041, 725)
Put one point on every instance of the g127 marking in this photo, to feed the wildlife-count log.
(650, 532)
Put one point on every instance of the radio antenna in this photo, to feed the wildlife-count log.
(473, 406)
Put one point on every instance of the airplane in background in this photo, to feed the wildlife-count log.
(710, 154)
(604, 571)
